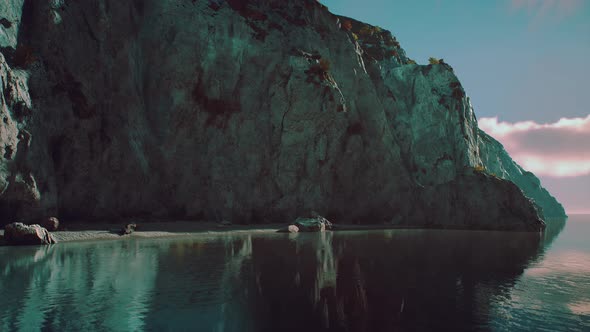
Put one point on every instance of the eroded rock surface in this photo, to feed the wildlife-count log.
(250, 111)
(10, 18)
(19, 193)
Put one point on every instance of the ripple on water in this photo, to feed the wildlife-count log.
(359, 281)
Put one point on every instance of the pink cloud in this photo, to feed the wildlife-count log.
(570, 261)
(560, 149)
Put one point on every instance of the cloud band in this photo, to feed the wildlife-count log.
(560, 149)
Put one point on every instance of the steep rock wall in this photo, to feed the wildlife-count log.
(253, 111)
(498, 162)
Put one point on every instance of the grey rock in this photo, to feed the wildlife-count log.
(216, 111)
(19, 195)
(318, 224)
(10, 17)
(49, 223)
(327, 224)
(128, 229)
(21, 234)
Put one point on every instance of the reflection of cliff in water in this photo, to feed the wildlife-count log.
(343, 281)
(554, 227)
(382, 281)
(56, 288)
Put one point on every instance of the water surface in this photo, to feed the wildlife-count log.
(395, 280)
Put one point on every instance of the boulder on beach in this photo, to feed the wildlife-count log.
(20, 234)
(128, 229)
(50, 223)
(315, 224)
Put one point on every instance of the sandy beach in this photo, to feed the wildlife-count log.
(91, 231)
(72, 232)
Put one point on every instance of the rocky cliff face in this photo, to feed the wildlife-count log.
(254, 111)
(499, 163)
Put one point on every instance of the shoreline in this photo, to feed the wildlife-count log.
(82, 232)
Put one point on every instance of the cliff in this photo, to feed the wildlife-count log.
(253, 111)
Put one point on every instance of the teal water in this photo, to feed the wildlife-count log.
(395, 280)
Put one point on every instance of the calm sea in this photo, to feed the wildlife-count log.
(395, 280)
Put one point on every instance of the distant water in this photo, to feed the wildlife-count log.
(398, 280)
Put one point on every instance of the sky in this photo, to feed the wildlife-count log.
(525, 64)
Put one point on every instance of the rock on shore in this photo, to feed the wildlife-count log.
(50, 223)
(21, 234)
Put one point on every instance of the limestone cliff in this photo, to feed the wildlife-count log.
(253, 111)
